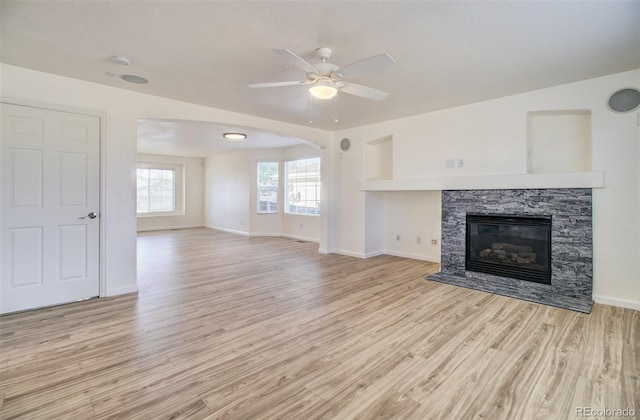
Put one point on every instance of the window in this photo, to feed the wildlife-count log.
(302, 180)
(267, 187)
(159, 189)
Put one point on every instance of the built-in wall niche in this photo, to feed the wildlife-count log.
(558, 141)
(379, 158)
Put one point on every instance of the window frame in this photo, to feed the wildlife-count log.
(178, 184)
(258, 187)
(286, 186)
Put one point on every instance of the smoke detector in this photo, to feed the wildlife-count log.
(120, 59)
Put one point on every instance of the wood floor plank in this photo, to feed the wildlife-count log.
(598, 395)
(226, 326)
(555, 379)
(151, 405)
(355, 374)
(456, 396)
(603, 353)
(75, 406)
(391, 405)
(433, 382)
(277, 377)
(515, 379)
(371, 389)
(56, 385)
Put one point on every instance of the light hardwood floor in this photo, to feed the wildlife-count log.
(226, 326)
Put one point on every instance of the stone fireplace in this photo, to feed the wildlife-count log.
(531, 244)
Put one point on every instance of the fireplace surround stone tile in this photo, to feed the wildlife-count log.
(571, 243)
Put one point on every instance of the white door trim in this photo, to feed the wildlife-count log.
(103, 165)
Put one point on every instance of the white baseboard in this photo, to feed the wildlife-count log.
(412, 256)
(234, 231)
(285, 235)
(324, 251)
(347, 253)
(153, 229)
(383, 252)
(269, 235)
(373, 254)
(122, 290)
(299, 238)
(622, 303)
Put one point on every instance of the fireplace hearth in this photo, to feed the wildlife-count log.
(512, 246)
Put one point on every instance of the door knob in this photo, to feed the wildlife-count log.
(91, 215)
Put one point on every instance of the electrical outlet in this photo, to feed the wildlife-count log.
(301, 226)
(397, 237)
(450, 163)
(434, 242)
(460, 163)
(418, 240)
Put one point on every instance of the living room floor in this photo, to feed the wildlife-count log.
(226, 326)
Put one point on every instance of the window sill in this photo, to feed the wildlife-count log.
(300, 214)
(160, 214)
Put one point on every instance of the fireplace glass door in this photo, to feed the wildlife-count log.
(509, 246)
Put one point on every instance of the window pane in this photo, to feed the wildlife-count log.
(156, 190)
(302, 180)
(267, 187)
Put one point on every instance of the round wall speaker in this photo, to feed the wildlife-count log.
(345, 144)
(624, 100)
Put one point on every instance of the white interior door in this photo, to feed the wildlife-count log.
(49, 246)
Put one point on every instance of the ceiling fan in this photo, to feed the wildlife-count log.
(326, 79)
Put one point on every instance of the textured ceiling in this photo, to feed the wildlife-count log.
(199, 139)
(448, 53)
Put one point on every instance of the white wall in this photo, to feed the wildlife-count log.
(491, 137)
(227, 194)
(379, 159)
(348, 204)
(559, 142)
(193, 195)
(121, 109)
(412, 214)
(374, 224)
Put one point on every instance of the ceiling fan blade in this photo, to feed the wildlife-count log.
(276, 84)
(363, 91)
(296, 61)
(365, 65)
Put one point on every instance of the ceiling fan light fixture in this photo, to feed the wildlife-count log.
(234, 136)
(323, 90)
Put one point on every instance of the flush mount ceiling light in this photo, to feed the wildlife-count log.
(323, 90)
(234, 136)
(134, 79)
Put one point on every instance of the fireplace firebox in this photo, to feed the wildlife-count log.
(509, 246)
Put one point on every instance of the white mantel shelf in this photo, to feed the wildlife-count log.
(593, 179)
